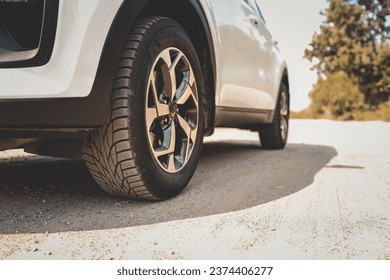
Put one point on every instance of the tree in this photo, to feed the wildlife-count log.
(336, 97)
(355, 40)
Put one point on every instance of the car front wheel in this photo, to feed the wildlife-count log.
(150, 145)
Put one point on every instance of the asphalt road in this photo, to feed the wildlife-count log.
(327, 195)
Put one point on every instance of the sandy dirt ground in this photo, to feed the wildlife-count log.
(326, 196)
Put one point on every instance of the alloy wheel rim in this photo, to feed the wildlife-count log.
(172, 110)
(284, 113)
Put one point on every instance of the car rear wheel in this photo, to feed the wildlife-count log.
(150, 145)
(274, 136)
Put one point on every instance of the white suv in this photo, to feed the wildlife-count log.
(132, 86)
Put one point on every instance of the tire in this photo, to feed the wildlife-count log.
(274, 136)
(151, 143)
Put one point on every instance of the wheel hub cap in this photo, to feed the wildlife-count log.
(173, 109)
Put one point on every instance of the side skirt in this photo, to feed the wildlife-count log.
(242, 118)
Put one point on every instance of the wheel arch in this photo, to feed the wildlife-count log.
(190, 15)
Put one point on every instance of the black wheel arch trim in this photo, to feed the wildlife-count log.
(90, 111)
(207, 30)
(209, 77)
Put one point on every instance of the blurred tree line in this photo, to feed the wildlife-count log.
(351, 55)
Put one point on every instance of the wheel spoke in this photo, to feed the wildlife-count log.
(168, 79)
(169, 140)
(162, 109)
(191, 134)
(283, 124)
(283, 127)
(175, 62)
(283, 105)
(169, 73)
(187, 93)
(151, 115)
(171, 163)
(284, 112)
(166, 57)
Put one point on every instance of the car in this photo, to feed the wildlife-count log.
(132, 87)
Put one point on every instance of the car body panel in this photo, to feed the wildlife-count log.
(250, 65)
(81, 33)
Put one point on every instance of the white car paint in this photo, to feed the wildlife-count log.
(81, 32)
(249, 66)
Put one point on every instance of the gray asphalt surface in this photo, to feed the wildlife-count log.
(54, 195)
(326, 196)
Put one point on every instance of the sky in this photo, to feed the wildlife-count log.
(293, 23)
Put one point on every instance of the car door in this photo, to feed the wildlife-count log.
(244, 50)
